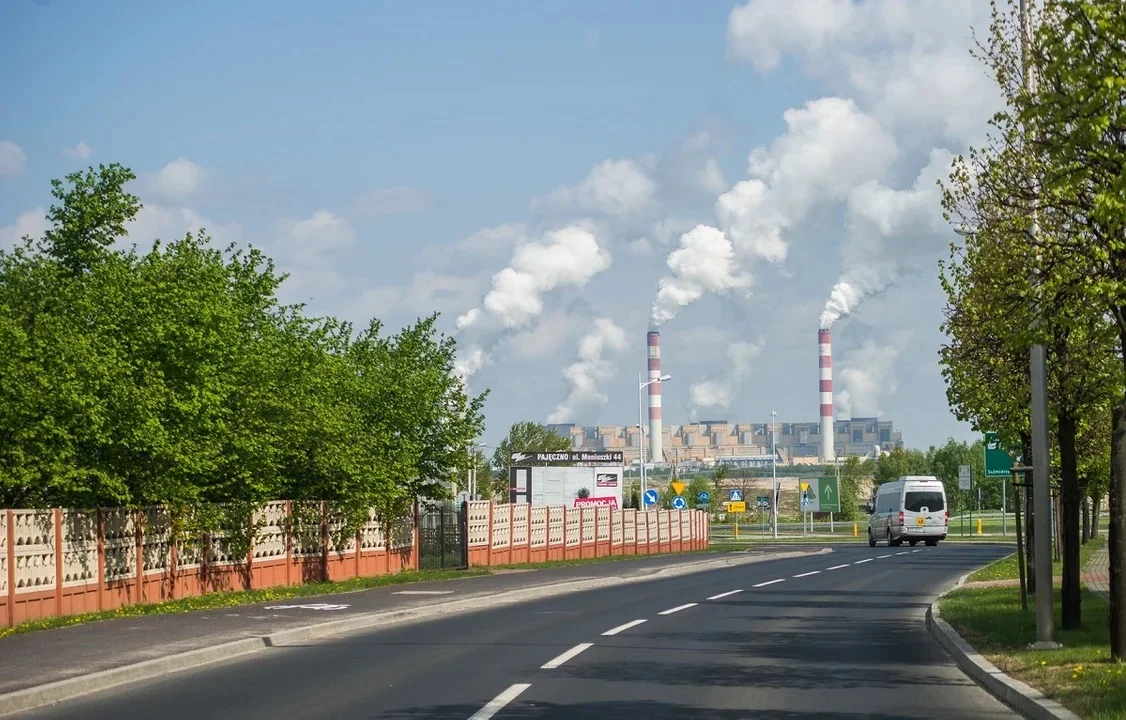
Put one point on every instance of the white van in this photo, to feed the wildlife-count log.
(912, 508)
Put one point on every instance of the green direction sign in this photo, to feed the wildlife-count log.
(997, 461)
(828, 495)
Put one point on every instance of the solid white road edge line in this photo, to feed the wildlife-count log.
(552, 664)
(627, 626)
(497, 704)
(812, 572)
(838, 567)
(861, 562)
(423, 592)
(723, 595)
(678, 608)
(769, 582)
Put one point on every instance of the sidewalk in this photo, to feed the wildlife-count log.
(49, 656)
(1096, 574)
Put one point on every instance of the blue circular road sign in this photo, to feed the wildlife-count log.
(678, 503)
(651, 497)
(704, 496)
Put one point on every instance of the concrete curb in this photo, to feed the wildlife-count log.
(1025, 699)
(70, 688)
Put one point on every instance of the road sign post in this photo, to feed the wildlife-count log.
(965, 484)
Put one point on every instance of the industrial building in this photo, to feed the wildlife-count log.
(710, 440)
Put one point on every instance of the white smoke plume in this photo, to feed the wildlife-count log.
(568, 257)
(720, 391)
(867, 377)
(587, 375)
(891, 233)
(829, 147)
(704, 262)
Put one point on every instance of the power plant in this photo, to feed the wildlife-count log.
(825, 371)
(656, 435)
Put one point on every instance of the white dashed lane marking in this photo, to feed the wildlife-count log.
(552, 664)
(813, 572)
(861, 562)
(723, 595)
(621, 628)
(769, 582)
(497, 704)
(838, 567)
(678, 608)
(881, 557)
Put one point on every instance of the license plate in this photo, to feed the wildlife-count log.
(920, 521)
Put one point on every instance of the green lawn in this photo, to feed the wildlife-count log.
(244, 597)
(1006, 568)
(1079, 675)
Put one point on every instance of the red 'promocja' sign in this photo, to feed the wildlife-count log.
(607, 501)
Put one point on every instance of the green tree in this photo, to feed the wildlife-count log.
(522, 437)
(900, 462)
(852, 472)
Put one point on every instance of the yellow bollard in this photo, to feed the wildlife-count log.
(854, 530)
(979, 526)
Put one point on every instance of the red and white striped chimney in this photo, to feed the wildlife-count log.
(825, 369)
(653, 340)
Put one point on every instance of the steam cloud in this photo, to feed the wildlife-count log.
(704, 262)
(593, 368)
(889, 230)
(867, 376)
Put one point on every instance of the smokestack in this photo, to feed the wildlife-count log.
(825, 369)
(653, 340)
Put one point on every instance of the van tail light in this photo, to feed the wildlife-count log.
(901, 517)
(947, 520)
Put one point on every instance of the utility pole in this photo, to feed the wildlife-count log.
(1038, 373)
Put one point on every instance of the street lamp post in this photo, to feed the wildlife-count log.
(774, 478)
(641, 385)
(471, 472)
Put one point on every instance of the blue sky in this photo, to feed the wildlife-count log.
(359, 142)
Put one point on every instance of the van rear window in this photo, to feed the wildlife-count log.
(917, 500)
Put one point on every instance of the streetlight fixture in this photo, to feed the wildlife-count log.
(641, 385)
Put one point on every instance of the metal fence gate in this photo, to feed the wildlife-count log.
(442, 538)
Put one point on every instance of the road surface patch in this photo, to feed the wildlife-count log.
(423, 592)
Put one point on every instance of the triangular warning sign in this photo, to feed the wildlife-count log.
(678, 487)
(804, 486)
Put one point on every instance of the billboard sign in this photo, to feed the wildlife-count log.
(562, 485)
(610, 457)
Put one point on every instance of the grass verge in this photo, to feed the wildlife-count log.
(212, 601)
(1007, 569)
(1079, 675)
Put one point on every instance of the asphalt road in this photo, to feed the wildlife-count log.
(838, 635)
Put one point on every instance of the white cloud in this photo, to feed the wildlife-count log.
(704, 262)
(719, 391)
(155, 221)
(867, 377)
(487, 242)
(397, 200)
(569, 257)
(307, 249)
(613, 187)
(586, 376)
(32, 223)
(13, 161)
(80, 151)
(547, 337)
(908, 62)
(177, 180)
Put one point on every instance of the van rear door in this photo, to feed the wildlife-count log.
(924, 508)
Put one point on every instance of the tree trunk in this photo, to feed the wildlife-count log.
(1117, 497)
(1085, 530)
(1096, 515)
(1070, 499)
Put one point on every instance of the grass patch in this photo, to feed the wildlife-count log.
(1080, 675)
(1006, 568)
(212, 601)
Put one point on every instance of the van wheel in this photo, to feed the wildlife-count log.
(891, 543)
(913, 542)
(931, 543)
(871, 538)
